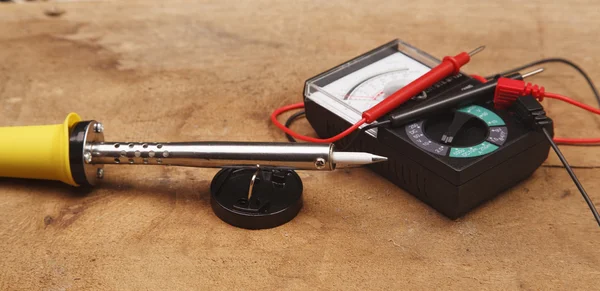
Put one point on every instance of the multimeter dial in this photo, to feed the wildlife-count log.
(349, 95)
(373, 90)
(470, 132)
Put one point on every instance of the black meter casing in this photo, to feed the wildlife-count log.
(451, 185)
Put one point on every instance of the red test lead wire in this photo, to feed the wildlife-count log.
(479, 78)
(448, 66)
(564, 140)
(308, 138)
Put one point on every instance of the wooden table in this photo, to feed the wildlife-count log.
(214, 70)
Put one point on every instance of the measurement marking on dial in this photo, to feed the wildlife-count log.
(496, 137)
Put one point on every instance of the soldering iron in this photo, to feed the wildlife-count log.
(75, 153)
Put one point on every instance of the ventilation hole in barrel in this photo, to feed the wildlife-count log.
(145, 145)
(117, 145)
(131, 145)
(159, 146)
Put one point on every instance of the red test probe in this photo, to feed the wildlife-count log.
(448, 66)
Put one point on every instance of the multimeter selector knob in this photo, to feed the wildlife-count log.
(468, 132)
(458, 129)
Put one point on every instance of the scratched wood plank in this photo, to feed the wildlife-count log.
(214, 70)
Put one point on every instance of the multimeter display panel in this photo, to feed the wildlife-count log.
(360, 84)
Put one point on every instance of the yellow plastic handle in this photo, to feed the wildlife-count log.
(37, 152)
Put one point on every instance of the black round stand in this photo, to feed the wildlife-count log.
(255, 198)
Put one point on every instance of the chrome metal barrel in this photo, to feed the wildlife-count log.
(302, 156)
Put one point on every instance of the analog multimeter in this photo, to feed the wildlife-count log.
(453, 161)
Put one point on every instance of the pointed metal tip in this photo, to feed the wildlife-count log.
(534, 72)
(476, 51)
(376, 159)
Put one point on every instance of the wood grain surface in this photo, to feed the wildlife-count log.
(214, 70)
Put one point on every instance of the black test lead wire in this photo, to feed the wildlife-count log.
(573, 176)
(508, 91)
(289, 122)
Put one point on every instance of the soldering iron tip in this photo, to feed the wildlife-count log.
(477, 50)
(535, 72)
(356, 158)
(377, 158)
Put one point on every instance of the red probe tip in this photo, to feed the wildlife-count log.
(476, 51)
